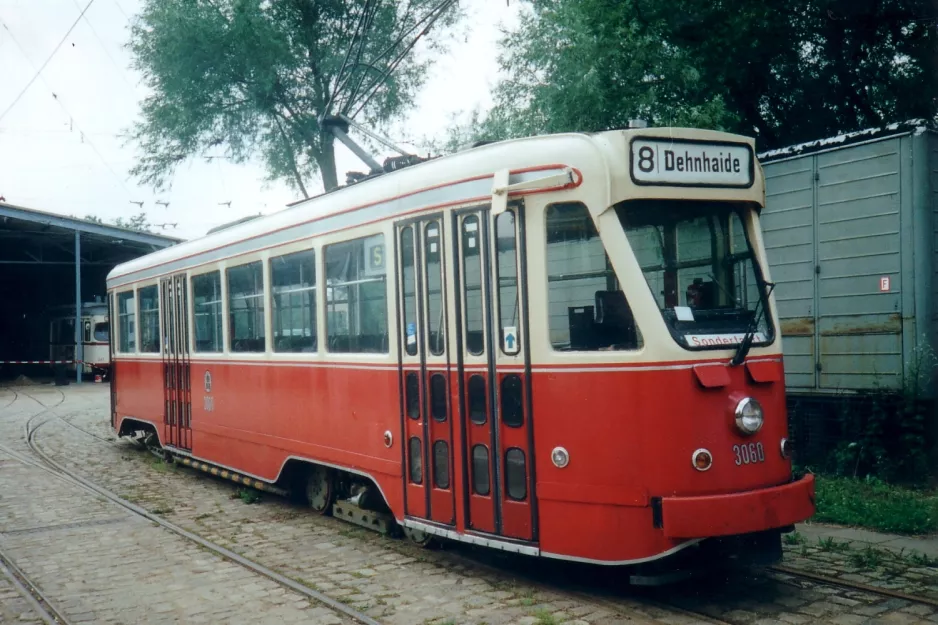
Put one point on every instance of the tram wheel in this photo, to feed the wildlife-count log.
(420, 537)
(320, 490)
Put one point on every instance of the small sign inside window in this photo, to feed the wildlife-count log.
(511, 339)
(884, 284)
(684, 313)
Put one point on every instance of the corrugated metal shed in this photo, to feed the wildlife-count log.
(850, 230)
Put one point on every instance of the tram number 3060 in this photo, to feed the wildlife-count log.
(749, 454)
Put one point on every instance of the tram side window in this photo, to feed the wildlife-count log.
(206, 300)
(127, 338)
(149, 319)
(246, 307)
(293, 302)
(357, 296)
(587, 309)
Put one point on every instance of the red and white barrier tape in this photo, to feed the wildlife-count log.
(43, 362)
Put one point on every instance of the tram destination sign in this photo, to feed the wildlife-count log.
(688, 163)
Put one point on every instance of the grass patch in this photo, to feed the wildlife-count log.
(247, 495)
(794, 538)
(876, 505)
(545, 618)
(868, 558)
(829, 544)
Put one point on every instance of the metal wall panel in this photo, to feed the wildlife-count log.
(858, 235)
(929, 281)
(788, 225)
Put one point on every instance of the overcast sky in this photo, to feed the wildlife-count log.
(61, 145)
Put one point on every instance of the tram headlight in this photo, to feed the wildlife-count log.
(560, 457)
(749, 416)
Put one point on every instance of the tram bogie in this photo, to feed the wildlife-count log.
(563, 346)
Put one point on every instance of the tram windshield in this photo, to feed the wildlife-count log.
(699, 263)
(101, 331)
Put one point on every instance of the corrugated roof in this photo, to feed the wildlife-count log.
(912, 125)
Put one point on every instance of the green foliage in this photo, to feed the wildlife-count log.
(138, 222)
(876, 505)
(794, 538)
(885, 434)
(868, 558)
(254, 77)
(545, 618)
(830, 544)
(248, 495)
(784, 69)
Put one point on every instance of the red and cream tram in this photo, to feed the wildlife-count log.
(563, 346)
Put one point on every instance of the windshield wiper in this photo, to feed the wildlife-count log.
(746, 344)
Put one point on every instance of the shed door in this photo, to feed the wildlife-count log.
(859, 237)
(788, 233)
(833, 235)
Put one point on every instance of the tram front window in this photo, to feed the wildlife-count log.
(699, 263)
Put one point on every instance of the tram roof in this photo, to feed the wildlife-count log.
(462, 177)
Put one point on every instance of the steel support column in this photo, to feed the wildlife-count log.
(79, 355)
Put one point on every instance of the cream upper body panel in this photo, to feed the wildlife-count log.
(602, 168)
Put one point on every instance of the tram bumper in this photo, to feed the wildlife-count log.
(738, 513)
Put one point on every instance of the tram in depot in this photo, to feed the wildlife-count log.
(564, 346)
(94, 336)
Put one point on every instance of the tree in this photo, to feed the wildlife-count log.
(257, 77)
(138, 222)
(785, 70)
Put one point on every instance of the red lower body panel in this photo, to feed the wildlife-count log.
(738, 513)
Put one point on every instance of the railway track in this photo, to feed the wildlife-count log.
(621, 607)
(50, 465)
(30, 592)
(654, 608)
(839, 583)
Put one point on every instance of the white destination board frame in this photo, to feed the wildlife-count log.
(691, 163)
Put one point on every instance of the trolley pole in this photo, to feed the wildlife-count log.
(79, 356)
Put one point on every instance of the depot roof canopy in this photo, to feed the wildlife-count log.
(29, 236)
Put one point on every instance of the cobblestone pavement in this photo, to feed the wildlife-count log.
(399, 584)
(98, 563)
(13, 607)
(909, 571)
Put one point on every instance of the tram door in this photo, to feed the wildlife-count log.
(493, 371)
(177, 390)
(477, 381)
(425, 371)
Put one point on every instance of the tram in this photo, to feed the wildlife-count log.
(563, 346)
(94, 335)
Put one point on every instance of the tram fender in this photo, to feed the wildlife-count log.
(738, 513)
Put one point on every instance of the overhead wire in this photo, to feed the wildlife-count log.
(358, 33)
(46, 62)
(85, 137)
(94, 32)
(372, 89)
(369, 16)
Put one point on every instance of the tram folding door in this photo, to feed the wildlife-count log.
(425, 371)
(492, 472)
(177, 389)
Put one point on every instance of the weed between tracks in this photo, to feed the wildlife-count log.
(865, 558)
(247, 495)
